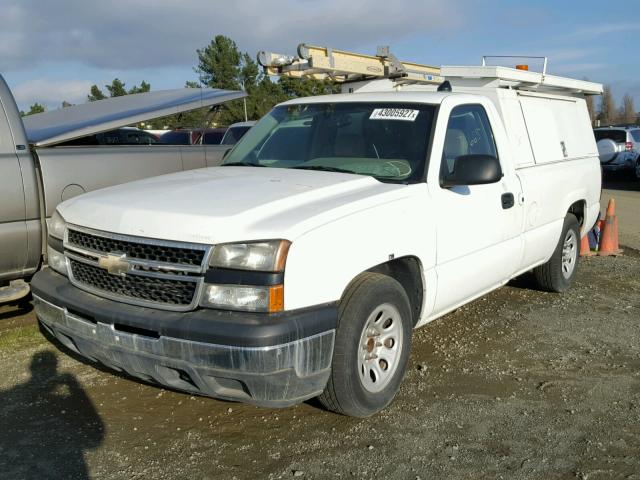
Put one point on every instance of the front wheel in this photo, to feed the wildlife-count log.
(372, 346)
(558, 273)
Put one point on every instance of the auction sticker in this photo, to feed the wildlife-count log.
(405, 114)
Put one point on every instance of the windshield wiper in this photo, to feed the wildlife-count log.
(325, 169)
(241, 164)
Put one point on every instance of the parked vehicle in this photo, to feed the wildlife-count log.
(120, 136)
(212, 136)
(374, 213)
(40, 167)
(235, 132)
(619, 149)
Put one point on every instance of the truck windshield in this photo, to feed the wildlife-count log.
(385, 140)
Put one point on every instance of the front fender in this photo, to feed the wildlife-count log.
(322, 262)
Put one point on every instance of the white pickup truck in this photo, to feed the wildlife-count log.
(338, 224)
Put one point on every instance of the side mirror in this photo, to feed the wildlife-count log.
(226, 152)
(473, 170)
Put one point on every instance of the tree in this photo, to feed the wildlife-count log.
(222, 65)
(266, 95)
(608, 114)
(305, 87)
(116, 89)
(144, 87)
(95, 94)
(66, 104)
(219, 64)
(628, 114)
(33, 109)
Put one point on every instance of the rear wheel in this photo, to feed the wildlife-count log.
(372, 346)
(558, 273)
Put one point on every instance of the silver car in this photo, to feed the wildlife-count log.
(619, 149)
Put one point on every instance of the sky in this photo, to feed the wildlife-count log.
(54, 51)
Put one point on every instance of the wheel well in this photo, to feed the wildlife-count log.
(578, 210)
(408, 272)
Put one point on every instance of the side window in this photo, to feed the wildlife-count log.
(636, 135)
(468, 133)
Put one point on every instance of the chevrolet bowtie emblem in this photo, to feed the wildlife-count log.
(115, 264)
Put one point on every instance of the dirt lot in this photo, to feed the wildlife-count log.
(519, 384)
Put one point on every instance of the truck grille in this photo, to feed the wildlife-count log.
(142, 251)
(159, 274)
(148, 289)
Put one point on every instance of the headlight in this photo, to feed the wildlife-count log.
(269, 256)
(57, 261)
(244, 297)
(57, 226)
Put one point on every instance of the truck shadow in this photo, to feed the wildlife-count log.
(613, 181)
(11, 310)
(526, 281)
(48, 423)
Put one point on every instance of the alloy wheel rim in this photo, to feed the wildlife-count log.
(380, 347)
(569, 253)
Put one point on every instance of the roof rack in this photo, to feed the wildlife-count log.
(519, 77)
(341, 66)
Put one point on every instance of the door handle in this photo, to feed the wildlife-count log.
(507, 200)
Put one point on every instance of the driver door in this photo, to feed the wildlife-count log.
(478, 226)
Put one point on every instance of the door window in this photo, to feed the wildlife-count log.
(468, 133)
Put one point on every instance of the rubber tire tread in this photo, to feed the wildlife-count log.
(329, 397)
(549, 275)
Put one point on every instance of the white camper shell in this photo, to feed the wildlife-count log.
(374, 212)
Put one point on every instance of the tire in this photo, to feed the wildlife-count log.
(372, 346)
(558, 273)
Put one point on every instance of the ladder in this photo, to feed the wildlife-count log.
(323, 63)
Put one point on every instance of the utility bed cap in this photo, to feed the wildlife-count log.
(514, 78)
(58, 126)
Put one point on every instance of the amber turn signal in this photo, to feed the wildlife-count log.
(276, 298)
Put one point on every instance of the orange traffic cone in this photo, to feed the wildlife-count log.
(585, 250)
(609, 238)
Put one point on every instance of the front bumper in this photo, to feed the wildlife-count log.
(273, 360)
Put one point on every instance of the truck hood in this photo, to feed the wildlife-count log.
(226, 204)
(56, 126)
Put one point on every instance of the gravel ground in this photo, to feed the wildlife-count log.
(518, 384)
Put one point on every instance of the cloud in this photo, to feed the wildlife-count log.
(51, 93)
(604, 29)
(578, 68)
(121, 34)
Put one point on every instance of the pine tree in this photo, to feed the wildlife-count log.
(95, 94)
(144, 87)
(116, 89)
(33, 109)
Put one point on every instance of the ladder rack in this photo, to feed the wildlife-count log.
(341, 66)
